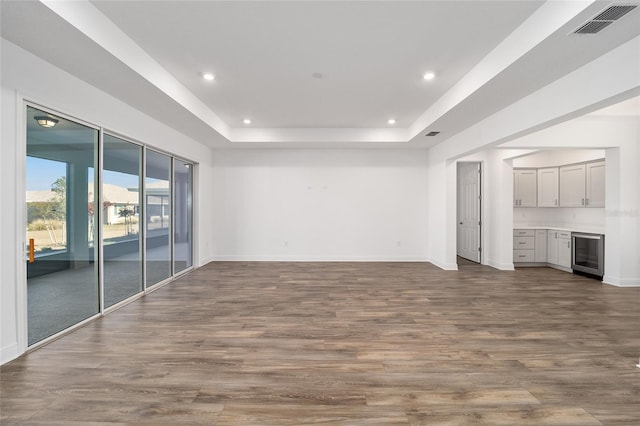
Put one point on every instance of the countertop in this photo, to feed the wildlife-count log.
(577, 228)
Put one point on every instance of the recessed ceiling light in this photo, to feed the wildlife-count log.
(208, 76)
(392, 121)
(429, 75)
(246, 121)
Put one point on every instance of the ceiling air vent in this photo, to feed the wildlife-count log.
(432, 133)
(604, 19)
(592, 27)
(614, 13)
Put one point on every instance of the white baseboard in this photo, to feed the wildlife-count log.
(9, 353)
(303, 258)
(501, 266)
(621, 282)
(444, 265)
(205, 261)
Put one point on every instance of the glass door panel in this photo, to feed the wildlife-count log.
(62, 280)
(157, 217)
(182, 238)
(121, 200)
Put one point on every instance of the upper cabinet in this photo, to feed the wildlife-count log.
(548, 187)
(594, 184)
(572, 186)
(575, 185)
(524, 187)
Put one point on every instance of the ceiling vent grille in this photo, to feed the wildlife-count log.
(614, 13)
(592, 27)
(604, 19)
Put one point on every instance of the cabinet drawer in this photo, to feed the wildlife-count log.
(523, 256)
(524, 232)
(520, 243)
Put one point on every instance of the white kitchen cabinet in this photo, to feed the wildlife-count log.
(564, 249)
(540, 251)
(559, 248)
(552, 247)
(548, 187)
(595, 184)
(525, 187)
(523, 245)
(572, 186)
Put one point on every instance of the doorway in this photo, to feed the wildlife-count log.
(469, 207)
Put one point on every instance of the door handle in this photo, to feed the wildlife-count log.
(31, 251)
(460, 223)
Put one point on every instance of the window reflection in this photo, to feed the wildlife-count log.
(122, 251)
(157, 217)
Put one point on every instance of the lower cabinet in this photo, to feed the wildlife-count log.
(542, 246)
(524, 245)
(552, 247)
(559, 248)
(564, 249)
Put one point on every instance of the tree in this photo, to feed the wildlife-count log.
(126, 213)
(59, 204)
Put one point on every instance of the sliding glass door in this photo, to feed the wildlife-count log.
(121, 201)
(182, 234)
(157, 217)
(106, 217)
(62, 278)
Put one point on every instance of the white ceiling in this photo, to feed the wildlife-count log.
(628, 107)
(371, 54)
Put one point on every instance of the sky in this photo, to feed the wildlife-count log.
(42, 173)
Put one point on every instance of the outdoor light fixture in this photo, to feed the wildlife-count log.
(46, 121)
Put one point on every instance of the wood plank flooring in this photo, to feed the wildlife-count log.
(345, 343)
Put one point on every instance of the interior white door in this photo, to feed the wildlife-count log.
(469, 211)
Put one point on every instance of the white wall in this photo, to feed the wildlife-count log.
(26, 76)
(319, 205)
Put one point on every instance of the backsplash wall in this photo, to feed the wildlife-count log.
(584, 219)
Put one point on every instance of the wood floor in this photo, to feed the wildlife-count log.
(345, 343)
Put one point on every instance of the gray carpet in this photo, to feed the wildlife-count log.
(59, 300)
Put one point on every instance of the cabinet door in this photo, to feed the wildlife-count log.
(525, 186)
(564, 252)
(595, 184)
(548, 187)
(541, 245)
(552, 247)
(572, 186)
